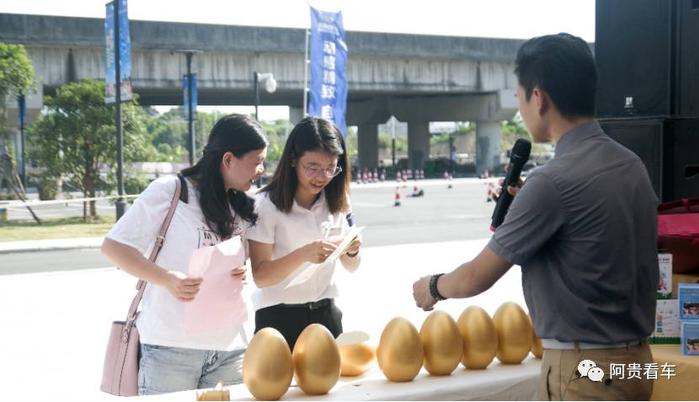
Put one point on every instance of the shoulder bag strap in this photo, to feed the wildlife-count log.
(141, 285)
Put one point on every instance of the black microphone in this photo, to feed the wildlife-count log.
(518, 157)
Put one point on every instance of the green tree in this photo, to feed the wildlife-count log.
(16, 76)
(513, 129)
(170, 129)
(77, 137)
(276, 135)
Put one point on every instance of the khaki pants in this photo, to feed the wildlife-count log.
(560, 379)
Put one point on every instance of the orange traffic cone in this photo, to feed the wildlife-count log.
(396, 202)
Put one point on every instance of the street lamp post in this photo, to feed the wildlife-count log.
(120, 202)
(22, 111)
(269, 83)
(191, 144)
(393, 142)
(190, 112)
(452, 154)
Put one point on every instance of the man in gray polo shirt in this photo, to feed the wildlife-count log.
(583, 229)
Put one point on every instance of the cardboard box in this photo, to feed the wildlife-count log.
(682, 278)
(665, 277)
(690, 337)
(688, 295)
(667, 322)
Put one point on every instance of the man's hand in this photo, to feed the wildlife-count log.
(513, 190)
(421, 294)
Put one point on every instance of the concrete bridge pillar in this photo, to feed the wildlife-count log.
(418, 143)
(487, 146)
(368, 145)
(295, 115)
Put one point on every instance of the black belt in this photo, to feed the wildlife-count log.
(315, 305)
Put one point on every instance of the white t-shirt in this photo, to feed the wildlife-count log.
(289, 231)
(161, 320)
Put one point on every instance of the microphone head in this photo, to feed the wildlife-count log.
(521, 150)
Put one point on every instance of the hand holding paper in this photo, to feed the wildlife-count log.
(347, 240)
(354, 246)
(310, 271)
(181, 286)
(219, 303)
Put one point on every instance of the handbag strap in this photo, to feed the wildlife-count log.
(159, 240)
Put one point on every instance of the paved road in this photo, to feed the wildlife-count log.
(443, 214)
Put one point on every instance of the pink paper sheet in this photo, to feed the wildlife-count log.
(219, 304)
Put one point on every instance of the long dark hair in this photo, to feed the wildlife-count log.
(237, 134)
(311, 134)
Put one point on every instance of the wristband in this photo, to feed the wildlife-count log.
(434, 292)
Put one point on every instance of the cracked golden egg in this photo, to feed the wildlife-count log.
(356, 359)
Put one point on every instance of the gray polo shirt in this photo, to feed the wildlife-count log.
(583, 229)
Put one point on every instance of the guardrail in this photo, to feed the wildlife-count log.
(20, 203)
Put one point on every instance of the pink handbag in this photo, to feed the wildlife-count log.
(120, 372)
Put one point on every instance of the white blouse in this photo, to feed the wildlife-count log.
(162, 318)
(287, 232)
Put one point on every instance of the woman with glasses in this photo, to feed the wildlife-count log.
(306, 200)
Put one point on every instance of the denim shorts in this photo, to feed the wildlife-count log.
(169, 369)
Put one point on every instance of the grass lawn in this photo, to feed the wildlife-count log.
(55, 228)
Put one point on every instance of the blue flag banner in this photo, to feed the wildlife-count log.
(125, 52)
(123, 44)
(328, 87)
(185, 91)
(109, 61)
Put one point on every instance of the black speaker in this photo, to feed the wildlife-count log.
(669, 148)
(633, 52)
(688, 58)
(647, 55)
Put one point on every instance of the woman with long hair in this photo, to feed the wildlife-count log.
(307, 197)
(212, 208)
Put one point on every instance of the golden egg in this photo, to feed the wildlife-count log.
(479, 336)
(400, 351)
(356, 359)
(316, 360)
(442, 343)
(514, 333)
(267, 365)
(537, 347)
